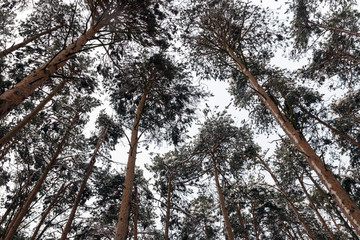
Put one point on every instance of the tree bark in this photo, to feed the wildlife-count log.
(282, 190)
(340, 196)
(16, 95)
(123, 221)
(28, 40)
(48, 209)
(229, 231)
(168, 202)
(242, 223)
(8, 136)
(335, 29)
(136, 213)
(14, 224)
(83, 185)
(329, 232)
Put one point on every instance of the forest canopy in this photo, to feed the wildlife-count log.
(81, 78)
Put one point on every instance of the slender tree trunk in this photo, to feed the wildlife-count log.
(341, 197)
(242, 223)
(282, 190)
(83, 185)
(334, 207)
(331, 235)
(7, 137)
(229, 231)
(136, 213)
(336, 225)
(16, 95)
(21, 213)
(48, 209)
(28, 40)
(123, 221)
(256, 229)
(168, 202)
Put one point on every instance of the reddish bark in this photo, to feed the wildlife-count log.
(340, 196)
(229, 231)
(83, 185)
(8, 136)
(282, 190)
(123, 221)
(16, 221)
(28, 40)
(242, 223)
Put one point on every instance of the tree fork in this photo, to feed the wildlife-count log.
(340, 196)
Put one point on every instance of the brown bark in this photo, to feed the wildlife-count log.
(8, 136)
(16, 95)
(28, 40)
(256, 229)
(83, 185)
(21, 213)
(48, 209)
(327, 229)
(168, 203)
(340, 196)
(136, 213)
(345, 136)
(335, 29)
(334, 207)
(229, 231)
(242, 223)
(282, 190)
(123, 221)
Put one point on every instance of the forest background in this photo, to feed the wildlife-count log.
(88, 87)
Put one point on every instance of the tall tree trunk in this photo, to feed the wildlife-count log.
(28, 40)
(334, 207)
(242, 223)
(282, 190)
(136, 213)
(123, 221)
(168, 203)
(256, 229)
(83, 185)
(16, 95)
(341, 197)
(21, 213)
(8, 136)
(329, 232)
(229, 231)
(48, 209)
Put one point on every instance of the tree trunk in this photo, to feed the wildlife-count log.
(136, 213)
(256, 229)
(334, 207)
(242, 223)
(282, 190)
(168, 203)
(229, 231)
(341, 197)
(16, 95)
(26, 41)
(8, 136)
(83, 185)
(123, 221)
(14, 224)
(331, 235)
(48, 209)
